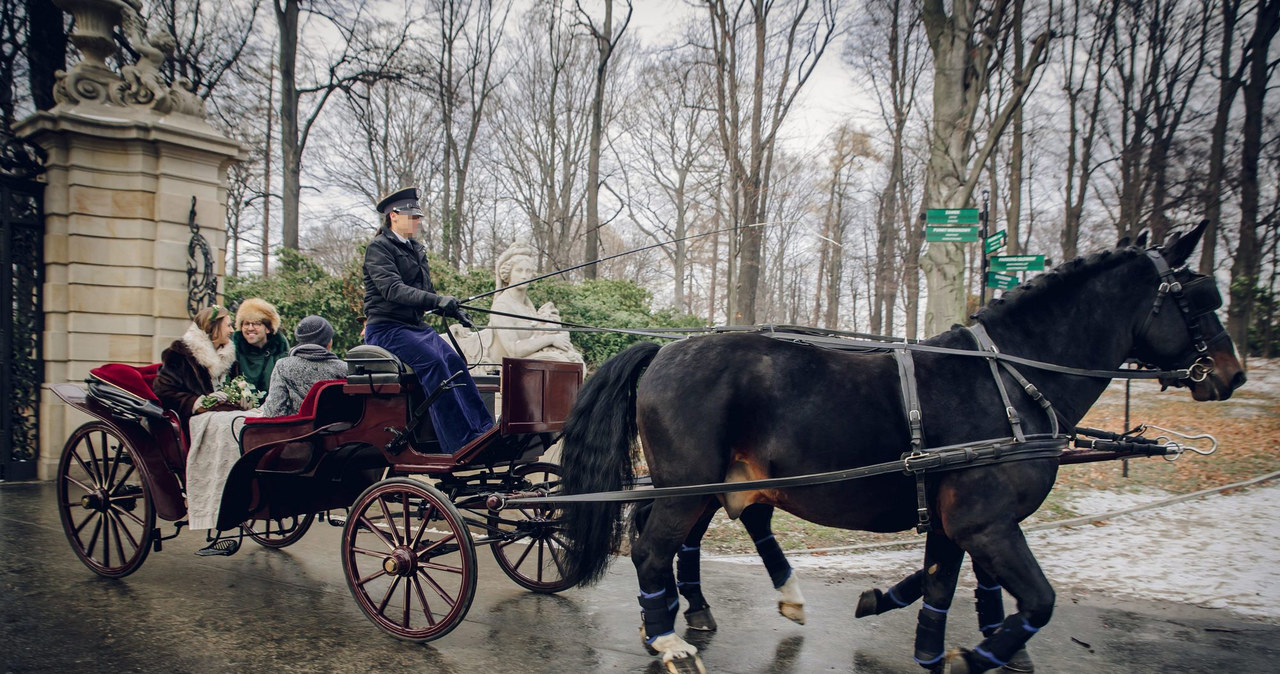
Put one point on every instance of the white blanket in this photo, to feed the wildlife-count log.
(214, 450)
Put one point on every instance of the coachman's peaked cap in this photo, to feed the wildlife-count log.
(404, 201)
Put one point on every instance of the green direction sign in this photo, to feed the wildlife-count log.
(950, 234)
(1001, 281)
(995, 242)
(951, 216)
(1017, 262)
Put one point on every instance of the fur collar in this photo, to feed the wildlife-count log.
(218, 361)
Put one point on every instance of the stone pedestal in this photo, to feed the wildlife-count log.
(120, 183)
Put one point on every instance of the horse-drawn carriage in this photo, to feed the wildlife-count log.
(414, 515)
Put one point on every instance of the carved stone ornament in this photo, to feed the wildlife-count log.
(140, 84)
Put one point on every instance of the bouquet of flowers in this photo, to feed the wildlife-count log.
(238, 393)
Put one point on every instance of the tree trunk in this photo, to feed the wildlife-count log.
(1228, 85)
(46, 50)
(1013, 214)
(290, 145)
(604, 50)
(1245, 268)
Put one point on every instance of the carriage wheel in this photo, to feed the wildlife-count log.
(534, 559)
(104, 503)
(278, 532)
(409, 559)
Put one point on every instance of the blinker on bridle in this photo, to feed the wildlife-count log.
(1196, 299)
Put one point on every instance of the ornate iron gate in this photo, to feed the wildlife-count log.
(22, 321)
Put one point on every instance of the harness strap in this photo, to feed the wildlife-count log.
(937, 459)
(910, 399)
(984, 343)
(911, 404)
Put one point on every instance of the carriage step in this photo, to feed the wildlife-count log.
(221, 548)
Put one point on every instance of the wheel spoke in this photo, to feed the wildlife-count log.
(523, 555)
(75, 454)
(79, 484)
(404, 505)
(125, 527)
(106, 540)
(440, 567)
(81, 525)
(555, 557)
(378, 532)
(115, 526)
(93, 537)
(115, 464)
(370, 553)
(126, 513)
(435, 545)
(391, 521)
(408, 605)
(382, 607)
(426, 608)
(376, 574)
(127, 474)
(439, 590)
(422, 528)
(94, 469)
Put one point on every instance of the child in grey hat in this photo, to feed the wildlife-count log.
(309, 362)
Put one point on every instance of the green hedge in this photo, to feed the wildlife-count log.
(299, 288)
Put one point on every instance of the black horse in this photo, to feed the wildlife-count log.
(734, 407)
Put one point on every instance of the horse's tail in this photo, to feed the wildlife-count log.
(599, 437)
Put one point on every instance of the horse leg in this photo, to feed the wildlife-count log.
(990, 605)
(756, 518)
(1005, 554)
(653, 554)
(689, 575)
(876, 601)
(942, 559)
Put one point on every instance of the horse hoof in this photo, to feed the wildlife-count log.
(644, 641)
(1020, 663)
(867, 603)
(691, 664)
(792, 612)
(700, 620)
(956, 662)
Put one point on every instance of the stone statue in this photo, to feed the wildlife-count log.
(514, 337)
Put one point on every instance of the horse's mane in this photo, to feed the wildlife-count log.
(1066, 275)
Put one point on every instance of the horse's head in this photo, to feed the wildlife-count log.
(1182, 330)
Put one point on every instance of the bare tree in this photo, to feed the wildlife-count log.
(470, 33)
(606, 40)
(889, 51)
(753, 97)
(1084, 69)
(962, 43)
(1230, 77)
(210, 37)
(1245, 269)
(366, 52)
(540, 124)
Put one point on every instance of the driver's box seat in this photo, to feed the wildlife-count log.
(375, 367)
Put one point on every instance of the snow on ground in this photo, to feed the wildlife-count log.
(1216, 552)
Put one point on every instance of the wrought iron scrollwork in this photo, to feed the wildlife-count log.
(202, 283)
(21, 282)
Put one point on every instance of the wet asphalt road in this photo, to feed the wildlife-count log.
(289, 611)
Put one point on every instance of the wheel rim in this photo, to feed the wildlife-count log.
(279, 532)
(535, 558)
(409, 560)
(105, 504)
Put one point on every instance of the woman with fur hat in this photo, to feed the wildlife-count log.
(195, 365)
(258, 341)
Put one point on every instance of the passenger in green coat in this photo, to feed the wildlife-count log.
(259, 343)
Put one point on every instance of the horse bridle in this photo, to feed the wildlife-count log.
(1195, 300)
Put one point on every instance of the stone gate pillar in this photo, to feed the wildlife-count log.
(126, 154)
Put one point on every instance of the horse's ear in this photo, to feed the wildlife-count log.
(1141, 241)
(1123, 242)
(1177, 248)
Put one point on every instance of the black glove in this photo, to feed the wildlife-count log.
(447, 305)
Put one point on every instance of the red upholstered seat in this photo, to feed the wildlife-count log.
(306, 411)
(135, 380)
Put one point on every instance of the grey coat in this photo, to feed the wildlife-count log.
(294, 375)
